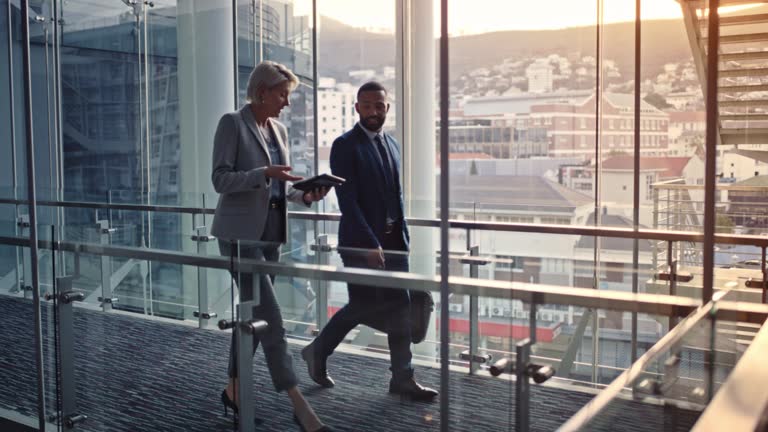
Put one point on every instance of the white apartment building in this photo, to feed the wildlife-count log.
(335, 110)
(539, 75)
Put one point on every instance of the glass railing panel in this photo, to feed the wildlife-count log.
(11, 260)
(679, 377)
(153, 354)
(681, 373)
(737, 270)
(610, 361)
(19, 397)
(299, 297)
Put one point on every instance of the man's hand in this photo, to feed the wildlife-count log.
(376, 258)
(315, 195)
(280, 172)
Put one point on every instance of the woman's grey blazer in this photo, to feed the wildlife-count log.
(239, 160)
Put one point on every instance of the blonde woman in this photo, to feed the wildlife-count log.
(251, 172)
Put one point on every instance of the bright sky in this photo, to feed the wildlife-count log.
(480, 16)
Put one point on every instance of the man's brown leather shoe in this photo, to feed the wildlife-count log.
(316, 367)
(410, 388)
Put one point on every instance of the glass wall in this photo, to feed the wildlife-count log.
(561, 141)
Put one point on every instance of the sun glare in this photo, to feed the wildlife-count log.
(468, 17)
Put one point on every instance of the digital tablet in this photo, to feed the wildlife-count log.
(318, 181)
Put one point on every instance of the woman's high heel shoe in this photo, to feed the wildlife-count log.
(301, 426)
(229, 403)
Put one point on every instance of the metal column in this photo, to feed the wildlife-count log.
(710, 163)
(444, 209)
(32, 197)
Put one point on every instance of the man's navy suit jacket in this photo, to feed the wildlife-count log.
(361, 197)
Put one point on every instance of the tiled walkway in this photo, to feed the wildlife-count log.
(137, 375)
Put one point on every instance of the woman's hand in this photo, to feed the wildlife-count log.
(315, 194)
(280, 172)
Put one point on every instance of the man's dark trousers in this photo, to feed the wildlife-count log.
(385, 309)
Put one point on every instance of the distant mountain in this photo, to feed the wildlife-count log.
(342, 47)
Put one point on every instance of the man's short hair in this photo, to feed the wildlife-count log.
(371, 86)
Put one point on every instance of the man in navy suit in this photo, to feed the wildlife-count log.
(372, 234)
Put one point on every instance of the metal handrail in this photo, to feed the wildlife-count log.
(596, 406)
(657, 304)
(627, 233)
(719, 187)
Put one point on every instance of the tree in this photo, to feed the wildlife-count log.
(724, 224)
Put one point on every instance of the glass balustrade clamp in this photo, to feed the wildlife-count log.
(73, 420)
(659, 386)
(226, 324)
(68, 297)
(507, 365)
(203, 238)
(476, 358)
(109, 300)
(674, 277)
(322, 247)
(252, 327)
(204, 315)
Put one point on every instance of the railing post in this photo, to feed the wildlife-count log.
(472, 355)
(245, 329)
(474, 318)
(672, 268)
(522, 386)
(532, 321)
(764, 267)
(710, 354)
(244, 360)
(204, 312)
(26, 265)
(106, 299)
(64, 296)
(323, 256)
(655, 258)
(524, 370)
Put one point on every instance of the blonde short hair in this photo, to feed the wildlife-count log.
(267, 75)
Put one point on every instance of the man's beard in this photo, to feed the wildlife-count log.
(373, 123)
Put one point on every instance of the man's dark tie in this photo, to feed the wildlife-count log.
(392, 198)
(388, 175)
